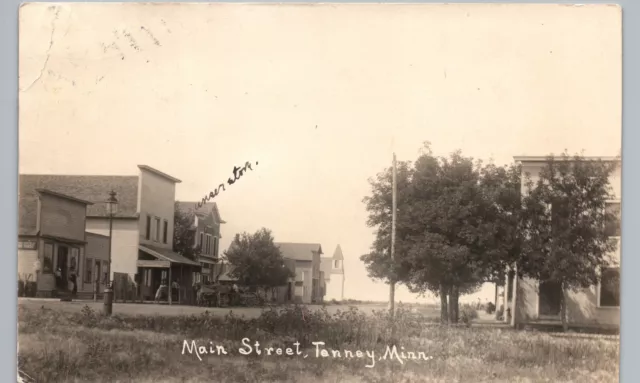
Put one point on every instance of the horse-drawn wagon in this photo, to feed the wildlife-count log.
(213, 295)
(218, 295)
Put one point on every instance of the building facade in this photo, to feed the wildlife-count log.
(530, 301)
(206, 228)
(96, 265)
(309, 284)
(333, 268)
(51, 239)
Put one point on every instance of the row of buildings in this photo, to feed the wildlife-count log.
(65, 224)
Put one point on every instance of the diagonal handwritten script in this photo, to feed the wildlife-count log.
(237, 173)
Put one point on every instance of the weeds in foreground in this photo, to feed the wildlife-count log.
(296, 322)
(88, 347)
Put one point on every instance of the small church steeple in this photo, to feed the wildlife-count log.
(337, 261)
(337, 271)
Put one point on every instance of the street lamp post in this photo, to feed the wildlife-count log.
(112, 208)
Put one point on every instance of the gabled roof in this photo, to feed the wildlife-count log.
(63, 196)
(216, 213)
(94, 189)
(189, 207)
(202, 211)
(337, 254)
(299, 251)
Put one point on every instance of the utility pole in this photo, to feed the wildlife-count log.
(342, 289)
(112, 207)
(392, 284)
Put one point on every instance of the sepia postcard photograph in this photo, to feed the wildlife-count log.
(319, 193)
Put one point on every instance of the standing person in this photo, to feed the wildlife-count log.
(235, 294)
(195, 287)
(58, 275)
(73, 279)
(162, 290)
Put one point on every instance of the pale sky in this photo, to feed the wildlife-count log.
(319, 95)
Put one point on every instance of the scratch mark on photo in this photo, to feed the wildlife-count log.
(155, 40)
(46, 60)
(132, 41)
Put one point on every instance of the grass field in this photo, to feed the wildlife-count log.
(74, 343)
(177, 310)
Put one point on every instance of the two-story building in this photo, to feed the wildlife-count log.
(538, 302)
(310, 279)
(52, 239)
(206, 225)
(142, 227)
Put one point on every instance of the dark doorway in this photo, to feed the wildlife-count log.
(63, 254)
(289, 291)
(550, 299)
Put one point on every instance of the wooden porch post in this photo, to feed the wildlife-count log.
(170, 285)
(180, 285)
(505, 294)
(514, 299)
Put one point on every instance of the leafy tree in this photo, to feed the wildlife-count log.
(378, 204)
(184, 233)
(503, 186)
(449, 230)
(566, 224)
(257, 261)
(445, 228)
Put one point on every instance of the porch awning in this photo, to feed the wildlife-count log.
(154, 264)
(167, 255)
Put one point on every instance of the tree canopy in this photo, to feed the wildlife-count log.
(461, 223)
(257, 261)
(184, 233)
(446, 225)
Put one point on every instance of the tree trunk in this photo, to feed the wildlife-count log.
(497, 307)
(444, 311)
(563, 310)
(454, 309)
(452, 313)
(457, 304)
